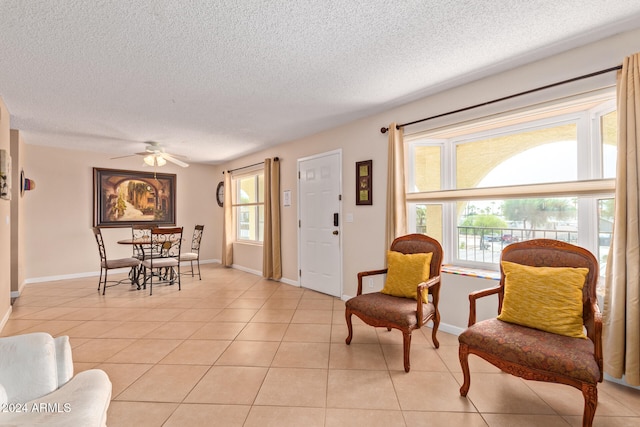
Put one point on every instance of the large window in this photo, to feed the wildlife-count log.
(542, 173)
(249, 206)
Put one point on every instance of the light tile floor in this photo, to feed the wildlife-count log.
(237, 350)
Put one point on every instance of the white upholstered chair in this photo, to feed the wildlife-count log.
(36, 375)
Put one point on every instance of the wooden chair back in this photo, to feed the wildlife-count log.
(168, 239)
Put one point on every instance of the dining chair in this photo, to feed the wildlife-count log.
(410, 296)
(549, 326)
(194, 255)
(165, 267)
(107, 264)
(142, 232)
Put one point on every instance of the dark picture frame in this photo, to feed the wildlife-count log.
(364, 182)
(122, 198)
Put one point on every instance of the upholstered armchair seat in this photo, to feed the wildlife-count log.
(541, 352)
(381, 310)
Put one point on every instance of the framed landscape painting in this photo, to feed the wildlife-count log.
(122, 198)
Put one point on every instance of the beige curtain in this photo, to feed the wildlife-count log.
(271, 260)
(396, 199)
(621, 329)
(228, 227)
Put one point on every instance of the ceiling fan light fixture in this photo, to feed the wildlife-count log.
(154, 160)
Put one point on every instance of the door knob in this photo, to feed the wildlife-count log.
(335, 232)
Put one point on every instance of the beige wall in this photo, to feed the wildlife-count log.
(59, 212)
(5, 228)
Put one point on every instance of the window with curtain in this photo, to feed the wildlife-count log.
(249, 206)
(541, 172)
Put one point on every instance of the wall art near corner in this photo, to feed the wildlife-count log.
(5, 175)
(26, 184)
(364, 183)
(122, 198)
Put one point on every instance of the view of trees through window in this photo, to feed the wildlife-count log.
(486, 227)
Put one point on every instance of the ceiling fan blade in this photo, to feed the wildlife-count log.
(122, 157)
(176, 156)
(172, 159)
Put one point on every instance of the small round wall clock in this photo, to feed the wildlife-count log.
(220, 194)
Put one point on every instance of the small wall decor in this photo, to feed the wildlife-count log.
(220, 194)
(364, 182)
(122, 198)
(26, 184)
(5, 175)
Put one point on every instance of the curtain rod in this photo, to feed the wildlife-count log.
(275, 159)
(586, 76)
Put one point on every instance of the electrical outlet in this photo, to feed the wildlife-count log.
(370, 283)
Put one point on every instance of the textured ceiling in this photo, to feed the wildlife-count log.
(214, 80)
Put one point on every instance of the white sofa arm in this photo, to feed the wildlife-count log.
(82, 402)
(64, 360)
(28, 366)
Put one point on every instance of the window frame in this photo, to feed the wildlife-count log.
(589, 187)
(257, 174)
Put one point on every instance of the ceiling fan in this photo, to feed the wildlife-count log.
(154, 155)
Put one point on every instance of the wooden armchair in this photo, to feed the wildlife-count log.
(406, 314)
(533, 353)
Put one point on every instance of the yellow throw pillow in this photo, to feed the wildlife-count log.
(405, 272)
(545, 298)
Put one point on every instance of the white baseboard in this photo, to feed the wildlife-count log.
(259, 273)
(620, 381)
(125, 270)
(246, 270)
(5, 318)
(94, 274)
(208, 261)
(290, 282)
(71, 276)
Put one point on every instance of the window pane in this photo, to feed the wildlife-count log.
(426, 219)
(244, 222)
(426, 173)
(484, 228)
(260, 223)
(532, 157)
(605, 230)
(609, 130)
(247, 190)
(250, 222)
(260, 188)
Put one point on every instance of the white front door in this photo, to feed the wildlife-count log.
(319, 185)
